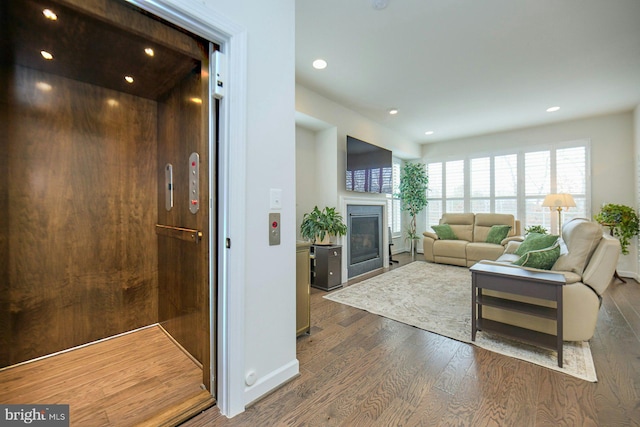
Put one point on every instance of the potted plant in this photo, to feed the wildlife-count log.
(413, 194)
(622, 221)
(318, 226)
(539, 229)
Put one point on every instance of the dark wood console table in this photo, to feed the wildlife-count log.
(523, 282)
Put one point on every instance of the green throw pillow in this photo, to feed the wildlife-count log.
(497, 233)
(444, 232)
(542, 258)
(536, 241)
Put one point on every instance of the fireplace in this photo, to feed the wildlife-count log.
(364, 239)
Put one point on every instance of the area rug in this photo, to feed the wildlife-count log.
(437, 298)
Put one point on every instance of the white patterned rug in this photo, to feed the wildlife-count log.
(437, 298)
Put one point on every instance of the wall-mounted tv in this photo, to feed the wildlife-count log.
(369, 168)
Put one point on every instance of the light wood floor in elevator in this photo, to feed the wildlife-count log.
(140, 378)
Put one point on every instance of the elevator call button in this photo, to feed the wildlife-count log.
(274, 228)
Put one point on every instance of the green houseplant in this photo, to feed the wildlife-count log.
(535, 229)
(318, 225)
(623, 222)
(413, 194)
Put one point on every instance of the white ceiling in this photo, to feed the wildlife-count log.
(469, 67)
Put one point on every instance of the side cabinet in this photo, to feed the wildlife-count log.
(326, 267)
(303, 304)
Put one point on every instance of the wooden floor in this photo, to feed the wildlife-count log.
(359, 369)
(138, 378)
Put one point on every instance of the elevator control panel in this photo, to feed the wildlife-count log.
(168, 186)
(274, 229)
(194, 183)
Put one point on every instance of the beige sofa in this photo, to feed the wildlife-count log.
(471, 231)
(588, 261)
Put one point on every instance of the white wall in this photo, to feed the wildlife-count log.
(268, 288)
(349, 122)
(342, 122)
(612, 158)
(270, 341)
(636, 122)
(306, 174)
(316, 170)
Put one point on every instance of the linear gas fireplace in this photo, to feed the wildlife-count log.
(364, 239)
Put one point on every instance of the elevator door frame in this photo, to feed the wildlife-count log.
(227, 343)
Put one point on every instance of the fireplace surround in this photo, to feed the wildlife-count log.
(365, 239)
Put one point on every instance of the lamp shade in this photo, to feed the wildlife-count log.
(560, 200)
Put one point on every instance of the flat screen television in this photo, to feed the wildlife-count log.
(369, 167)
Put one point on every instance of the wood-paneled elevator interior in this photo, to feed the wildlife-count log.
(98, 101)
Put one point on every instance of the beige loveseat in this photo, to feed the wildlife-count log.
(588, 261)
(471, 231)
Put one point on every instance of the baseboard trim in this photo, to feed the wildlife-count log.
(272, 381)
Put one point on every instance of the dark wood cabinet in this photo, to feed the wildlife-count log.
(326, 267)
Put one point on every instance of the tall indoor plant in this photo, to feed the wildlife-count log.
(319, 225)
(623, 222)
(413, 194)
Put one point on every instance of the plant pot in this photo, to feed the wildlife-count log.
(324, 242)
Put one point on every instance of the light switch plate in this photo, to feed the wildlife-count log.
(275, 198)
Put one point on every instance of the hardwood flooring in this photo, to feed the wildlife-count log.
(141, 378)
(360, 369)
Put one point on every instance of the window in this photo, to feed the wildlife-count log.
(394, 212)
(514, 183)
(434, 193)
(505, 170)
(571, 177)
(480, 182)
(537, 182)
(454, 186)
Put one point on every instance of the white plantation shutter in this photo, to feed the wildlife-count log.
(434, 194)
(454, 179)
(480, 182)
(505, 173)
(394, 208)
(481, 177)
(537, 170)
(454, 186)
(571, 177)
(514, 183)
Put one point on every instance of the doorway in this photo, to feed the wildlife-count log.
(101, 99)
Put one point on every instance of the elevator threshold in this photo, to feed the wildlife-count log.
(141, 378)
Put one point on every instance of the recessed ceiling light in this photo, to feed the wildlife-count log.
(149, 51)
(112, 102)
(128, 79)
(319, 64)
(552, 109)
(429, 132)
(45, 87)
(196, 100)
(46, 55)
(393, 111)
(49, 14)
